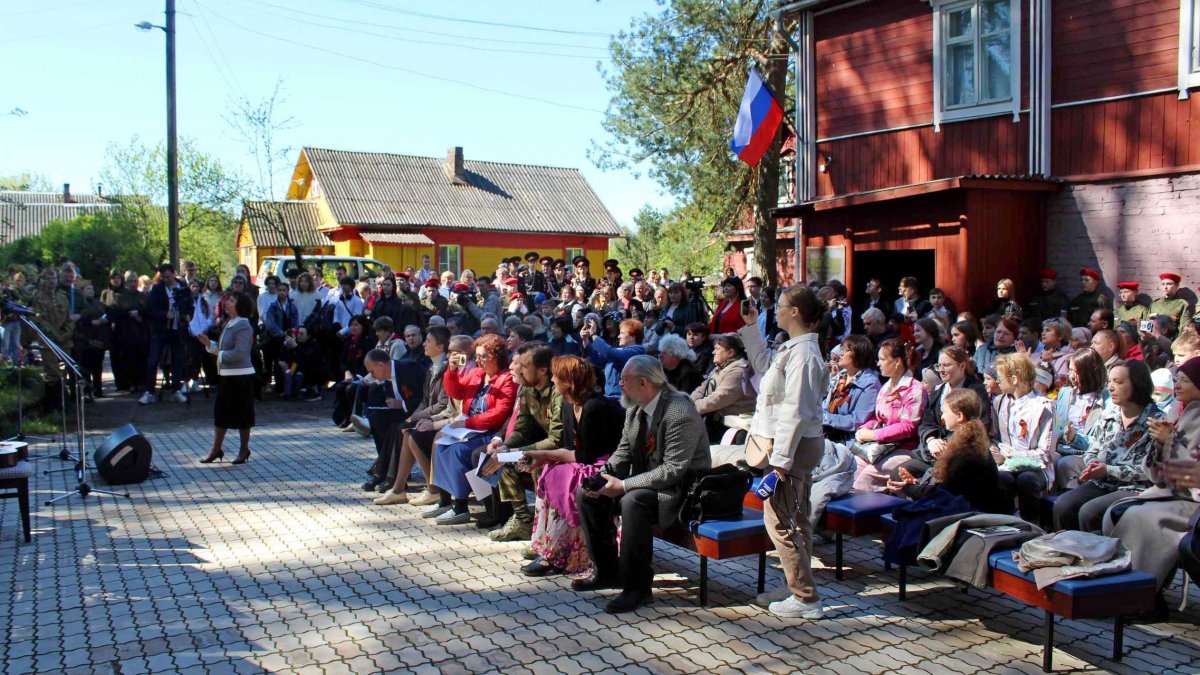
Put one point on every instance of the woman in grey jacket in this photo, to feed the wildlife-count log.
(234, 407)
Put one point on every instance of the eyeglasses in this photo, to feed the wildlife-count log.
(484, 357)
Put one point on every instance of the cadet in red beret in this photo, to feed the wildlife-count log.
(1171, 304)
(1089, 300)
(1048, 302)
(1128, 308)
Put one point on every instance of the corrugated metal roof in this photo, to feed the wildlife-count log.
(26, 197)
(18, 221)
(300, 220)
(373, 189)
(396, 238)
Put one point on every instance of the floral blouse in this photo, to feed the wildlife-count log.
(1122, 449)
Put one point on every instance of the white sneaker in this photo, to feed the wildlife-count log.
(146, 399)
(791, 608)
(435, 511)
(361, 424)
(185, 388)
(347, 429)
(766, 599)
(179, 397)
(452, 518)
(425, 498)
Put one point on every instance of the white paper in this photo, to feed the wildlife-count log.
(480, 487)
(509, 457)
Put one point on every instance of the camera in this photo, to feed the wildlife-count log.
(594, 482)
(1146, 326)
(694, 286)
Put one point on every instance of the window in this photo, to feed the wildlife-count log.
(571, 254)
(450, 259)
(1189, 46)
(787, 179)
(977, 60)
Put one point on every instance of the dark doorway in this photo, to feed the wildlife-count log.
(890, 267)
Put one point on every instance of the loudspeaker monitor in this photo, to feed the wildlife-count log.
(124, 457)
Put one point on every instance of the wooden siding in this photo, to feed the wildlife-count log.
(994, 145)
(1131, 135)
(1111, 47)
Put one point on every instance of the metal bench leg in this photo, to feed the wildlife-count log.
(837, 556)
(1118, 639)
(23, 504)
(903, 581)
(1048, 644)
(703, 581)
(762, 572)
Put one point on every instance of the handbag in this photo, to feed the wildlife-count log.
(713, 494)
(872, 452)
(758, 450)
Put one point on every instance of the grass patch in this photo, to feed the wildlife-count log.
(36, 423)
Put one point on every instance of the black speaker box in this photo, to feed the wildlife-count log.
(123, 457)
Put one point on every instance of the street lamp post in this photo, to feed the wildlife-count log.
(172, 135)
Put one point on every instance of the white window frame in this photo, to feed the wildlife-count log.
(443, 257)
(941, 8)
(571, 253)
(1189, 46)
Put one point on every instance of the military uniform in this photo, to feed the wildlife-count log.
(538, 427)
(1177, 308)
(54, 318)
(1135, 312)
(1082, 306)
(1047, 305)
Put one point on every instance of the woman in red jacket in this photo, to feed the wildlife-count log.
(488, 392)
(727, 317)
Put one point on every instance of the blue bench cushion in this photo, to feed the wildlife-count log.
(888, 519)
(1111, 583)
(864, 505)
(750, 524)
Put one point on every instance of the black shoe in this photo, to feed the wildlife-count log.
(628, 601)
(594, 582)
(385, 485)
(489, 522)
(540, 568)
(371, 484)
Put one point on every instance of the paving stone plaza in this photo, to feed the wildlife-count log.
(284, 565)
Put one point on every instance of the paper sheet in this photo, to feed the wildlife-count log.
(509, 457)
(479, 486)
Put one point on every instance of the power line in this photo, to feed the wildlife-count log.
(35, 10)
(406, 29)
(217, 46)
(409, 12)
(455, 45)
(402, 69)
(77, 29)
(229, 84)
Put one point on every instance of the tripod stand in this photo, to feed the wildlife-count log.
(80, 468)
(21, 435)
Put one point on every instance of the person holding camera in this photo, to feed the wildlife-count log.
(681, 309)
(663, 439)
(787, 426)
(168, 310)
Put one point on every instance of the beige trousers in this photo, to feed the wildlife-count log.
(786, 515)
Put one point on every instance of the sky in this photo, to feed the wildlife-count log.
(371, 75)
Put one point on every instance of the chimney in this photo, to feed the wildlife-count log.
(67, 193)
(99, 189)
(454, 166)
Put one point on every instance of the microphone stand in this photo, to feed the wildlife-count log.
(21, 436)
(82, 488)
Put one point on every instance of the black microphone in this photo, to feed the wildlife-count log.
(16, 309)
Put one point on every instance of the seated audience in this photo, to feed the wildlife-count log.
(612, 358)
(727, 390)
(889, 436)
(1056, 349)
(965, 335)
(876, 326)
(955, 371)
(663, 438)
(1002, 341)
(1107, 344)
(1025, 424)
(1115, 457)
(853, 389)
(1077, 410)
(357, 343)
(698, 341)
(927, 335)
(395, 391)
(562, 338)
(679, 363)
(591, 429)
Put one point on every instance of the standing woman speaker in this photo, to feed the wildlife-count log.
(787, 432)
(234, 407)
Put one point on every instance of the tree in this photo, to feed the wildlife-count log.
(676, 82)
(97, 242)
(34, 182)
(257, 124)
(208, 195)
(640, 247)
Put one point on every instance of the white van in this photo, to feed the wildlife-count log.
(283, 266)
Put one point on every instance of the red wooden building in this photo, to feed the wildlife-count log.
(964, 141)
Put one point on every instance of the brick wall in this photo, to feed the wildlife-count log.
(1129, 230)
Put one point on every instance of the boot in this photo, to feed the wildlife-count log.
(498, 513)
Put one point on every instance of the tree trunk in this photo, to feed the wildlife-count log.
(765, 226)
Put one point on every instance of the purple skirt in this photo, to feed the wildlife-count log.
(558, 483)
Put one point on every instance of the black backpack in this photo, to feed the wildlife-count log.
(714, 494)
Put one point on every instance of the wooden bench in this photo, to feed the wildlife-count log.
(1112, 596)
(722, 540)
(857, 514)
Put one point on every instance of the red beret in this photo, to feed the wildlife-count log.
(1131, 285)
(1172, 276)
(1047, 273)
(511, 281)
(404, 275)
(432, 283)
(461, 288)
(1089, 272)
(517, 296)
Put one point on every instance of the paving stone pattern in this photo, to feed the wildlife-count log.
(283, 565)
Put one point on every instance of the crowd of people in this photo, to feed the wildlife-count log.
(601, 396)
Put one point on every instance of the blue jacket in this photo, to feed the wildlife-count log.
(853, 413)
(612, 359)
(281, 318)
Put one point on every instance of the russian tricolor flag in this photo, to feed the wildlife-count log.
(757, 121)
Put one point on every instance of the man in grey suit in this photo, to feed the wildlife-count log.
(663, 439)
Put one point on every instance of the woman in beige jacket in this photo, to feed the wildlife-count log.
(727, 390)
